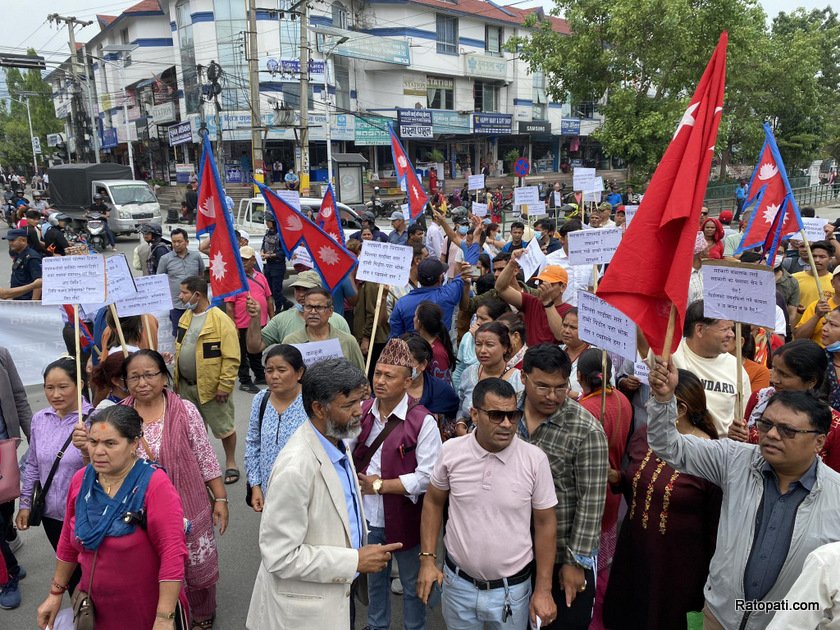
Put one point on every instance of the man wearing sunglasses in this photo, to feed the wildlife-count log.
(490, 479)
(780, 502)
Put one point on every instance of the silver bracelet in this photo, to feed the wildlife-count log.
(221, 500)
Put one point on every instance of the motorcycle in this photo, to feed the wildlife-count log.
(380, 209)
(93, 231)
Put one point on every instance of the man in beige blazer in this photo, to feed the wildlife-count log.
(312, 532)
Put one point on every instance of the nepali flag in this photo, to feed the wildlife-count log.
(775, 214)
(406, 175)
(648, 277)
(331, 259)
(328, 216)
(288, 220)
(85, 339)
(227, 275)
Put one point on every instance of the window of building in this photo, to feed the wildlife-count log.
(342, 85)
(186, 46)
(339, 15)
(493, 40)
(539, 98)
(440, 92)
(486, 97)
(447, 34)
(231, 24)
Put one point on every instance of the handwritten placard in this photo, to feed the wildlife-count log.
(119, 282)
(630, 213)
(384, 263)
(642, 372)
(537, 210)
(476, 182)
(533, 260)
(153, 296)
(526, 195)
(404, 209)
(291, 197)
(73, 280)
(583, 179)
(740, 292)
(592, 196)
(479, 209)
(605, 327)
(558, 199)
(593, 247)
(314, 351)
(814, 228)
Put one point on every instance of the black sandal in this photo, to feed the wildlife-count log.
(207, 624)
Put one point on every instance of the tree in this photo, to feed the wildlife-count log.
(15, 143)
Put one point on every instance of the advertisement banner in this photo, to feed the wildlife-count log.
(415, 123)
(180, 133)
(493, 124)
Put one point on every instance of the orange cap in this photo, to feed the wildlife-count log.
(554, 273)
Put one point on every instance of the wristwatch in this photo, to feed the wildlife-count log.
(377, 486)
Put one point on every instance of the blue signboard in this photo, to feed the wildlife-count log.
(493, 124)
(109, 138)
(415, 123)
(570, 127)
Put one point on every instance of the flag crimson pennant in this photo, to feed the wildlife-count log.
(775, 214)
(650, 270)
(227, 275)
(289, 221)
(417, 197)
(328, 218)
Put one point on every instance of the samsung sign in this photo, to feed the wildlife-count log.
(535, 127)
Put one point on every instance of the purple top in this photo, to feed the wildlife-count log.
(48, 434)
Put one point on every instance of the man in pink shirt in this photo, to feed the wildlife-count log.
(259, 290)
(490, 478)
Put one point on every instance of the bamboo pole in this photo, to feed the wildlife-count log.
(813, 264)
(669, 334)
(739, 386)
(78, 357)
(375, 324)
(118, 326)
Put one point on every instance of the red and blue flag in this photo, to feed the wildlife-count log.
(328, 218)
(407, 177)
(227, 274)
(288, 220)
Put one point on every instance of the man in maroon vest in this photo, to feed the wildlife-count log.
(395, 454)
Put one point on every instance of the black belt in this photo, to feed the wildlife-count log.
(488, 585)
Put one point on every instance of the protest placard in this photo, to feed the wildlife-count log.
(558, 199)
(526, 195)
(814, 228)
(605, 327)
(384, 263)
(476, 182)
(630, 213)
(32, 335)
(533, 260)
(641, 371)
(73, 280)
(479, 209)
(592, 196)
(404, 209)
(593, 247)
(314, 351)
(583, 179)
(537, 210)
(152, 296)
(739, 292)
(118, 280)
(291, 197)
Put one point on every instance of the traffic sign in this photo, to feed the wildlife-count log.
(522, 167)
(36, 144)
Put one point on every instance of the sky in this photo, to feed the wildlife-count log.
(24, 22)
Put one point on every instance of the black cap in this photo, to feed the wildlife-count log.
(15, 233)
(429, 271)
(152, 228)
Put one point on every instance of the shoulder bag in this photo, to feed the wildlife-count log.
(249, 491)
(84, 613)
(39, 494)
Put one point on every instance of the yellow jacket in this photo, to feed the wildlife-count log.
(216, 353)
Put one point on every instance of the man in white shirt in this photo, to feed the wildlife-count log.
(705, 352)
(435, 240)
(395, 454)
(600, 217)
(581, 277)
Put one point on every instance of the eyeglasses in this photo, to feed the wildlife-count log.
(135, 378)
(545, 390)
(787, 433)
(496, 416)
(315, 308)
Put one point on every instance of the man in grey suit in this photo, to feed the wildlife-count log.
(312, 533)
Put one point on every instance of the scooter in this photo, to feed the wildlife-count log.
(93, 231)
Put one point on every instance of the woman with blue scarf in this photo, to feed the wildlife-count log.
(125, 527)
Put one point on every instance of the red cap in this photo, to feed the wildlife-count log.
(725, 216)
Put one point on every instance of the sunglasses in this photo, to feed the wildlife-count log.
(787, 432)
(496, 416)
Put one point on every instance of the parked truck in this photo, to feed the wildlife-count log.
(132, 202)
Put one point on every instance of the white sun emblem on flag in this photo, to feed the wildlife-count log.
(217, 266)
(326, 212)
(328, 255)
(767, 171)
(770, 212)
(334, 237)
(293, 223)
(402, 162)
(207, 208)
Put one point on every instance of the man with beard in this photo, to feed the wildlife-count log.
(313, 533)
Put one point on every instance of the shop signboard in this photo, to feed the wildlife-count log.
(535, 127)
(383, 49)
(415, 123)
(450, 122)
(493, 124)
(372, 131)
(570, 127)
(485, 66)
(109, 138)
(163, 113)
(288, 70)
(180, 133)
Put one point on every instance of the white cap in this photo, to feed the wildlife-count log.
(244, 234)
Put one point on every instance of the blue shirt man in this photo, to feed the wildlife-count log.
(429, 275)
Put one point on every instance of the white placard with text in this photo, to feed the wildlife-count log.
(153, 296)
(741, 293)
(533, 260)
(583, 179)
(384, 263)
(314, 351)
(73, 280)
(526, 195)
(479, 209)
(630, 213)
(605, 327)
(593, 247)
(476, 182)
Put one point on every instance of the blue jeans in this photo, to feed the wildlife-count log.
(467, 608)
(379, 588)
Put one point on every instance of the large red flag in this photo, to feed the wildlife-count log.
(331, 259)
(227, 275)
(417, 197)
(288, 220)
(328, 216)
(649, 272)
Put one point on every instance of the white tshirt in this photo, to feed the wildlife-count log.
(718, 378)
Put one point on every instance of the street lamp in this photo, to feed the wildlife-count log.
(339, 39)
(25, 101)
(122, 50)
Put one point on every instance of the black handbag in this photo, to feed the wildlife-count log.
(248, 490)
(39, 494)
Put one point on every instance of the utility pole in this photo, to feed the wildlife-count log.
(94, 128)
(254, 81)
(71, 23)
(304, 98)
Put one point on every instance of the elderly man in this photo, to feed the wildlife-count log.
(780, 502)
(600, 217)
(394, 455)
(178, 265)
(496, 486)
(291, 320)
(26, 268)
(312, 534)
(237, 310)
(317, 311)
